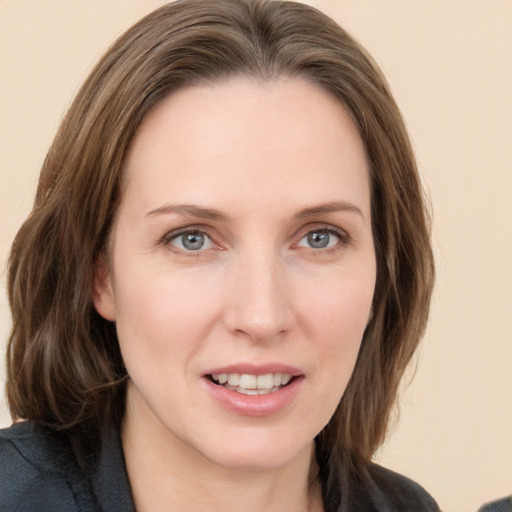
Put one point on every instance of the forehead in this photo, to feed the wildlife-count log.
(253, 136)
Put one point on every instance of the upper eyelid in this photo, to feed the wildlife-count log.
(320, 226)
(176, 233)
(173, 233)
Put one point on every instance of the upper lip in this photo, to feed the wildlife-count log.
(256, 369)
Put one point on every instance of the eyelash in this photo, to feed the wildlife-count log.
(343, 237)
(174, 235)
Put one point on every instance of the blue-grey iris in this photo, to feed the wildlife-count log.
(318, 239)
(193, 241)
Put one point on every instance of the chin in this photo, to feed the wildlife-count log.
(261, 452)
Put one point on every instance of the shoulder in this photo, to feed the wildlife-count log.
(501, 505)
(394, 492)
(38, 471)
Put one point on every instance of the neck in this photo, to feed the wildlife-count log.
(166, 474)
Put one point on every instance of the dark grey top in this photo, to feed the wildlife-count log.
(39, 472)
(501, 505)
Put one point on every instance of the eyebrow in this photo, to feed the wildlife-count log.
(216, 215)
(335, 206)
(192, 210)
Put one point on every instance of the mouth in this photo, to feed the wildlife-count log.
(254, 390)
(251, 384)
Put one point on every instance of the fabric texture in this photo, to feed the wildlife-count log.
(39, 472)
(501, 505)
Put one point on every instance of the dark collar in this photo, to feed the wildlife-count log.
(110, 481)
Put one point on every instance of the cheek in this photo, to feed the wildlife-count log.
(337, 319)
(342, 307)
(162, 314)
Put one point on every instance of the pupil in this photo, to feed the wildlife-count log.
(193, 241)
(318, 240)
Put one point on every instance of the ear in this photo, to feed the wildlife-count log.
(102, 292)
(370, 316)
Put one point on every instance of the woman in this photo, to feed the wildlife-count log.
(225, 273)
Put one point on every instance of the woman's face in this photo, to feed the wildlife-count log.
(242, 250)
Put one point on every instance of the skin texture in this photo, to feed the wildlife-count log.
(275, 162)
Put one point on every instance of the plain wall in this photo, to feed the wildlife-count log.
(449, 65)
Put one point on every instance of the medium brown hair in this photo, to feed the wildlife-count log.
(64, 366)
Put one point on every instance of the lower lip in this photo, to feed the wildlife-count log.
(255, 405)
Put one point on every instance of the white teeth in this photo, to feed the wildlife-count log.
(252, 384)
(234, 379)
(265, 381)
(248, 381)
(245, 391)
(285, 379)
(252, 391)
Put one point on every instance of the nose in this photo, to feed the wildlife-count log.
(259, 307)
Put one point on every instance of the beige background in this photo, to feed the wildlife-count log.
(449, 64)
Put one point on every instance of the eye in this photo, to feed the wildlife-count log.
(320, 239)
(191, 241)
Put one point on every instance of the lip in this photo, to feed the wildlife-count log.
(255, 405)
(256, 369)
